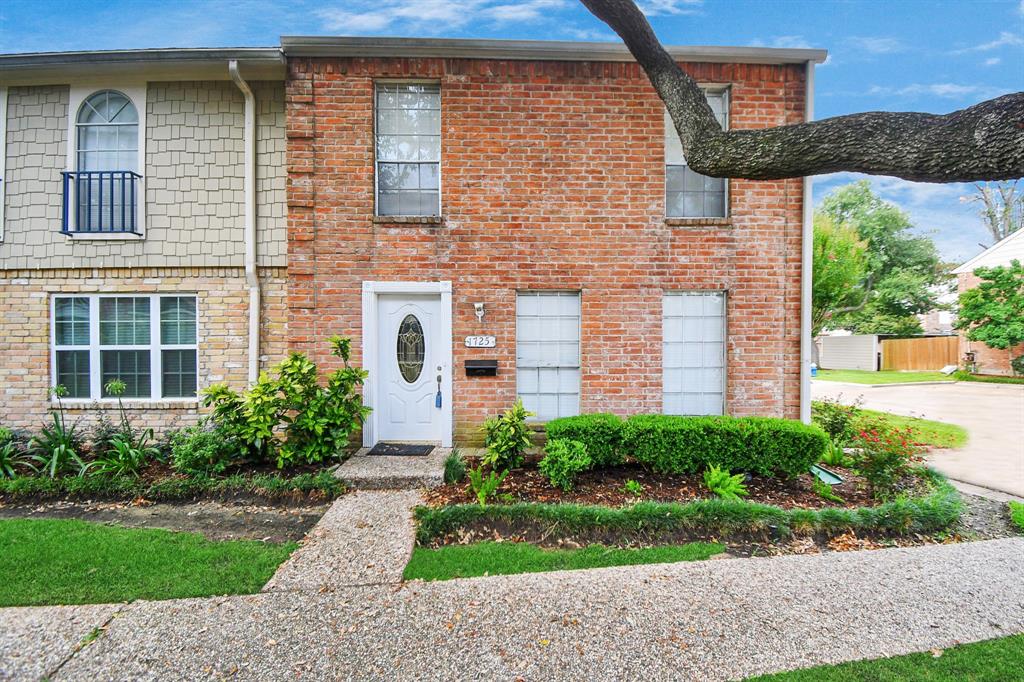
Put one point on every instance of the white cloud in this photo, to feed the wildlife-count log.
(433, 16)
(589, 34)
(1005, 39)
(783, 41)
(946, 90)
(875, 44)
(653, 8)
(992, 61)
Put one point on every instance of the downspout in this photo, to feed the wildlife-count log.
(806, 260)
(251, 278)
(3, 156)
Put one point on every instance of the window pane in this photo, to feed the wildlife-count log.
(131, 367)
(547, 352)
(124, 321)
(71, 316)
(693, 353)
(73, 372)
(177, 320)
(408, 129)
(689, 194)
(179, 373)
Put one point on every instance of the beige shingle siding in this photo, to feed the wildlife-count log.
(194, 180)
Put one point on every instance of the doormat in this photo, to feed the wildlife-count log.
(400, 450)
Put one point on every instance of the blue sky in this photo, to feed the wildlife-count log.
(934, 56)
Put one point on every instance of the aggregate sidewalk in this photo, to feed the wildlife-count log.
(711, 620)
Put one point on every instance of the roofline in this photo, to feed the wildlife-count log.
(550, 50)
(967, 266)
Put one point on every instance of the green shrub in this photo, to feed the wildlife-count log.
(507, 437)
(721, 483)
(835, 418)
(824, 491)
(601, 433)
(758, 445)
(834, 455)
(454, 467)
(1018, 365)
(484, 486)
(633, 488)
(883, 456)
(202, 451)
(126, 457)
(563, 460)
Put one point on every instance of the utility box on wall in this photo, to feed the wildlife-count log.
(481, 368)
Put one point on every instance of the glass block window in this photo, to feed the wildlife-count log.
(693, 353)
(548, 352)
(148, 342)
(408, 148)
(689, 194)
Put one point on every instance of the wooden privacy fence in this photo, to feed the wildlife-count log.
(926, 353)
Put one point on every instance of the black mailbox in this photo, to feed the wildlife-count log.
(481, 368)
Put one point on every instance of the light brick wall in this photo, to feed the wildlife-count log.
(223, 340)
(553, 178)
(194, 169)
(989, 360)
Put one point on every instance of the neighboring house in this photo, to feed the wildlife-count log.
(486, 219)
(989, 360)
(142, 228)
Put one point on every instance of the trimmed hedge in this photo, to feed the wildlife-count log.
(264, 486)
(931, 513)
(758, 445)
(601, 433)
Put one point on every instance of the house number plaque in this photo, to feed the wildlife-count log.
(480, 342)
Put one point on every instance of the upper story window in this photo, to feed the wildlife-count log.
(689, 194)
(408, 148)
(108, 133)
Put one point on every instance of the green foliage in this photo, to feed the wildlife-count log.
(883, 456)
(993, 311)
(564, 459)
(1017, 365)
(758, 445)
(1017, 515)
(507, 437)
(54, 450)
(839, 267)
(454, 467)
(125, 457)
(835, 418)
(11, 458)
(198, 450)
(722, 484)
(291, 418)
(835, 455)
(601, 433)
(484, 486)
(824, 491)
(961, 375)
(633, 488)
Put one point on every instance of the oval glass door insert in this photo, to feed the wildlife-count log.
(410, 348)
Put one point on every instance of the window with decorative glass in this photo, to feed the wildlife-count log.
(408, 149)
(148, 342)
(548, 352)
(689, 194)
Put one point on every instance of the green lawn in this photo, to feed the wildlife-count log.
(987, 378)
(506, 558)
(1017, 515)
(75, 562)
(937, 434)
(990, 661)
(855, 376)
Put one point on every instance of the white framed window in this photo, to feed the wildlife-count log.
(147, 341)
(689, 194)
(548, 352)
(408, 149)
(693, 352)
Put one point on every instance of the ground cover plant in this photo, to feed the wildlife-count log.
(858, 376)
(507, 558)
(75, 562)
(1017, 515)
(961, 375)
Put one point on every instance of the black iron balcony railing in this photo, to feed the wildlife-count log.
(100, 202)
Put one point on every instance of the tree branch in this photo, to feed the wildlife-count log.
(982, 142)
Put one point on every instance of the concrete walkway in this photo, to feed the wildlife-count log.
(371, 472)
(993, 415)
(712, 620)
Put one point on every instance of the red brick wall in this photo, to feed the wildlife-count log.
(552, 178)
(988, 360)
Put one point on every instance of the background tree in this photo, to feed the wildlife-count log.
(905, 274)
(840, 271)
(993, 312)
(1002, 207)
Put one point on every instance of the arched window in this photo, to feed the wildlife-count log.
(106, 163)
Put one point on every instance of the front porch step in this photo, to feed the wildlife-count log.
(370, 472)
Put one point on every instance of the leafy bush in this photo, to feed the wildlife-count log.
(11, 456)
(563, 461)
(834, 455)
(125, 457)
(760, 445)
(507, 437)
(835, 418)
(601, 433)
(722, 484)
(484, 486)
(198, 450)
(55, 449)
(454, 467)
(633, 488)
(884, 456)
(291, 418)
(1018, 365)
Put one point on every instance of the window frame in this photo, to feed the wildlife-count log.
(724, 293)
(724, 89)
(94, 348)
(579, 348)
(440, 156)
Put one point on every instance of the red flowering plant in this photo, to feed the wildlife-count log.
(884, 455)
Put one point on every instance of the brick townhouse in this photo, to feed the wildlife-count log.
(486, 220)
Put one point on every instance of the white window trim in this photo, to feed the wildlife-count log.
(714, 88)
(579, 345)
(725, 343)
(136, 92)
(154, 347)
(440, 156)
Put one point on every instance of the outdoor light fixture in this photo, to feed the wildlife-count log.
(479, 309)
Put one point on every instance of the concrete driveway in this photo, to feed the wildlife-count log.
(993, 415)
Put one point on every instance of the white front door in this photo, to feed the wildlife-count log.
(411, 358)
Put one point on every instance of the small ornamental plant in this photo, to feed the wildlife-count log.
(884, 457)
(564, 460)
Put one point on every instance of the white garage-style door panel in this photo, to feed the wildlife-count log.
(693, 353)
(548, 353)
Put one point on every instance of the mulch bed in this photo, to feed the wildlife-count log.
(606, 487)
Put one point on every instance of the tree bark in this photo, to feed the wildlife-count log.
(982, 142)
